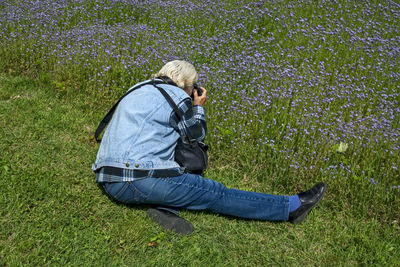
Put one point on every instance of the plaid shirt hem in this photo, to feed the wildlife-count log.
(112, 174)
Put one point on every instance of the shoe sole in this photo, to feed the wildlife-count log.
(176, 223)
(304, 215)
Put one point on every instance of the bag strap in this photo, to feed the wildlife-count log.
(178, 112)
(107, 118)
(171, 102)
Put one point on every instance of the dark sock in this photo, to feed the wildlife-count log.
(294, 203)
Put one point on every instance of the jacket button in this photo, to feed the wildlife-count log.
(137, 165)
(127, 165)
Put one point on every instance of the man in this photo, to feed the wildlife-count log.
(135, 162)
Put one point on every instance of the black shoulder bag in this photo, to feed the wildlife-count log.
(189, 153)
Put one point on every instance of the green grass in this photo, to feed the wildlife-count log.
(52, 212)
(275, 70)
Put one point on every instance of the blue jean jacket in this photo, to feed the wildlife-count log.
(139, 135)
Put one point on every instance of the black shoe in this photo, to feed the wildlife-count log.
(170, 221)
(308, 200)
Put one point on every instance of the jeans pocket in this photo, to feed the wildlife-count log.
(136, 196)
(125, 192)
(115, 190)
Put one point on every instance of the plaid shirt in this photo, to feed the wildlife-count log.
(112, 174)
(193, 123)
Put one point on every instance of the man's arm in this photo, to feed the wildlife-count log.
(194, 120)
(194, 117)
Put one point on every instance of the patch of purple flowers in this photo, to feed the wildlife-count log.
(294, 77)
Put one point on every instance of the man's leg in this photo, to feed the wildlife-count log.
(196, 193)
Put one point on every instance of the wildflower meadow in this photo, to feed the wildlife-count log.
(299, 92)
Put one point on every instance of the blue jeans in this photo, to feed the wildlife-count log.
(193, 192)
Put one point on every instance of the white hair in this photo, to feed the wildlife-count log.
(180, 72)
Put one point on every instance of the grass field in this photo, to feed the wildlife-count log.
(288, 82)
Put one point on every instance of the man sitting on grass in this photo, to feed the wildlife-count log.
(135, 162)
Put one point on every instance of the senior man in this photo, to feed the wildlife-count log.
(135, 163)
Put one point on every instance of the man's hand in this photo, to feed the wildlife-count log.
(200, 100)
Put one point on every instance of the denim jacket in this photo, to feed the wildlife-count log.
(140, 135)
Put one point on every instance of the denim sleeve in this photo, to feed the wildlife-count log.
(194, 120)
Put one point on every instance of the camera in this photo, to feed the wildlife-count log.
(197, 88)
